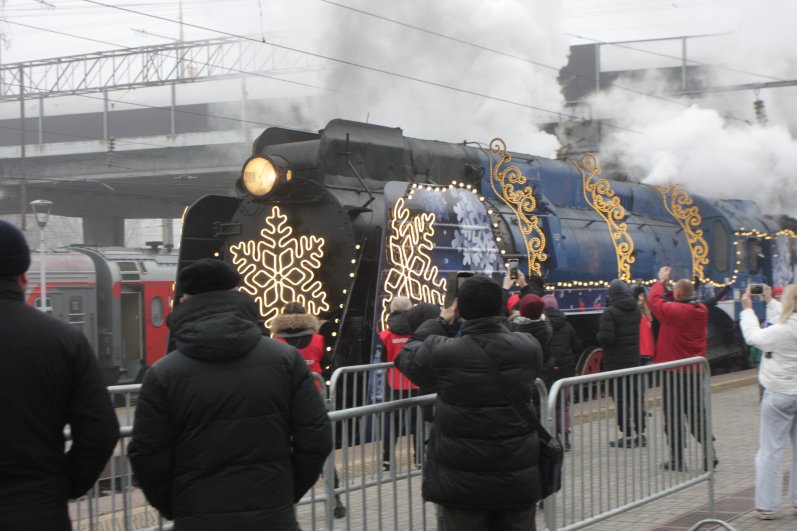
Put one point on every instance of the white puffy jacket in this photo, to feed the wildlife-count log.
(779, 372)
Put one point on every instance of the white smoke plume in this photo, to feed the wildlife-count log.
(715, 146)
(531, 29)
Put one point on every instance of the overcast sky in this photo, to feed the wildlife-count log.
(472, 70)
(607, 20)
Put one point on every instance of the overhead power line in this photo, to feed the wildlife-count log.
(669, 56)
(442, 36)
(343, 61)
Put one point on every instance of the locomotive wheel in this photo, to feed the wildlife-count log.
(590, 361)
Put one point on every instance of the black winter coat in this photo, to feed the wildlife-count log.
(618, 332)
(230, 430)
(540, 329)
(481, 454)
(564, 347)
(49, 377)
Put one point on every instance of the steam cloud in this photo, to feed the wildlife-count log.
(715, 147)
(528, 29)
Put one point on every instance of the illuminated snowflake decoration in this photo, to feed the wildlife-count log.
(474, 237)
(408, 251)
(280, 268)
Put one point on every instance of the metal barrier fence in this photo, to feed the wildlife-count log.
(376, 468)
(629, 436)
(378, 494)
(357, 385)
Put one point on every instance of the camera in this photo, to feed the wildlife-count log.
(756, 289)
(455, 281)
(512, 263)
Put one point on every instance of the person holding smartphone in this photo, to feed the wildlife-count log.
(778, 375)
(481, 464)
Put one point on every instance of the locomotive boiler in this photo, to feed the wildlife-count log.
(346, 219)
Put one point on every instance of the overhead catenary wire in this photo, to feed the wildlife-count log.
(350, 63)
(537, 63)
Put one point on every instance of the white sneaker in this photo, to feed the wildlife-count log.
(765, 515)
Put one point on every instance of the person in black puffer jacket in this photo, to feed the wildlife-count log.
(230, 430)
(481, 461)
(618, 334)
(563, 349)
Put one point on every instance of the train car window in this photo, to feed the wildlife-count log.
(156, 311)
(755, 256)
(721, 239)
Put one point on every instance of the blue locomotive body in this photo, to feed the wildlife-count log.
(346, 219)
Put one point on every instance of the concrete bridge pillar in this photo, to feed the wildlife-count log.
(104, 230)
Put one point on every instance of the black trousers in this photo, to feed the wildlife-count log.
(457, 519)
(682, 398)
(627, 394)
(396, 424)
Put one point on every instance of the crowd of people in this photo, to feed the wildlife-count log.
(231, 430)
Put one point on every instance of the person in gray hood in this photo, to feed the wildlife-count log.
(230, 430)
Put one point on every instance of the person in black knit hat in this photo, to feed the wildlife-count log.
(50, 370)
(481, 463)
(245, 403)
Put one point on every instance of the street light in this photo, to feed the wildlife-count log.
(41, 211)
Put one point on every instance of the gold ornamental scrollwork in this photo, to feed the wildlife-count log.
(510, 185)
(600, 195)
(681, 207)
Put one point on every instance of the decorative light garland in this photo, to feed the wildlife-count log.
(411, 271)
(594, 169)
(280, 268)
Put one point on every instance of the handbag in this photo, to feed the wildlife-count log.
(551, 451)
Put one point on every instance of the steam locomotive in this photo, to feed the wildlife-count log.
(119, 298)
(346, 219)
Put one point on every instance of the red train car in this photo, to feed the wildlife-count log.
(119, 298)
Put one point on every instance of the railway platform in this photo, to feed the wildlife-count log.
(735, 421)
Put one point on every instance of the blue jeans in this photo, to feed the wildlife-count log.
(778, 423)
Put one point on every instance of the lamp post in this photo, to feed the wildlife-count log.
(41, 211)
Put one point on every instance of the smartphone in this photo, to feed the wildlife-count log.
(513, 264)
(455, 281)
(756, 289)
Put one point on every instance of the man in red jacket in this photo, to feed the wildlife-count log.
(683, 334)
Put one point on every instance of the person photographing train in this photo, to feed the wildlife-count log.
(778, 375)
(481, 464)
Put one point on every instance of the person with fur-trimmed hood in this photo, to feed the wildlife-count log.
(299, 329)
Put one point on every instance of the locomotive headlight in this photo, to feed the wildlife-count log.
(259, 176)
(262, 174)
